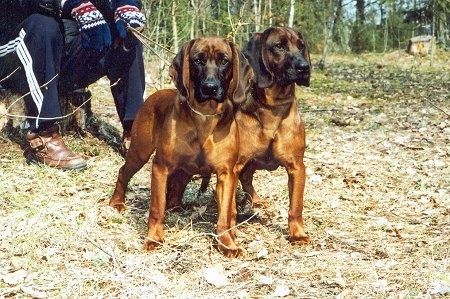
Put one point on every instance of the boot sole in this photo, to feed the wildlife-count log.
(31, 159)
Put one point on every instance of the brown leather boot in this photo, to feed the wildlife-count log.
(47, 147)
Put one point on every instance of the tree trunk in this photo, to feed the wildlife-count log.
(193, 24)
(329, 33)
(160, 40)
(358, 29)
(256, 16)
(174, 27)
(291, 14)
(270, 13)
(339, 32)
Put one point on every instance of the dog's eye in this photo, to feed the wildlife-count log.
(301, 46)
(199, 61)
(224, 61)
(279, 47)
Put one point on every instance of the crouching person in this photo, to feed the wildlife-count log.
(52, 47)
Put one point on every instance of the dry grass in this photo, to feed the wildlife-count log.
(377, 205)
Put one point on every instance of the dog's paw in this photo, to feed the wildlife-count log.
(259, 203)
(150, 244)
(301, 240)
(231, 252)
(228, 248)
(119, 206)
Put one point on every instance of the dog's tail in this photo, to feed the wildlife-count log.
(204, 184)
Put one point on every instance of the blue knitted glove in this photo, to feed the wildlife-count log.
(94, 31)
(127, 14)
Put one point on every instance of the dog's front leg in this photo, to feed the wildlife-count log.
(157, 208)
(296, 184)
(132, 165)
(226, 202)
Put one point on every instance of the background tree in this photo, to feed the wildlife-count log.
(333, 25)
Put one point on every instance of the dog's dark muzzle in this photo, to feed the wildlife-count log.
(302, 67)
(210, 88)
(298, 71)
(303, 70)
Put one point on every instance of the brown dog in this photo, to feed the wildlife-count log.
(193, 131)
(271, 131)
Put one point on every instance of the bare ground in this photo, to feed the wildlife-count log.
(377, 204)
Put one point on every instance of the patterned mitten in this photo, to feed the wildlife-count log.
(127, 14)
(94, 30)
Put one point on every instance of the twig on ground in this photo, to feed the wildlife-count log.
(437, 107)
(110, 252)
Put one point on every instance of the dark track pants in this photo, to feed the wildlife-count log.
(46, 56)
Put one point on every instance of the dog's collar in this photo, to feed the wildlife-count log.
(200, 113)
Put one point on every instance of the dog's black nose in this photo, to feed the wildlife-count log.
(210, 87)
(302, 66)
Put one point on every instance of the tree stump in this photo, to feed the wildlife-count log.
(75, 108)
(420, 45)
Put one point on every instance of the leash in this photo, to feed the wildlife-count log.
(144, 40)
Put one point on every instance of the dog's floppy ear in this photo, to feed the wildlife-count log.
(242, 75)
(306, 56)
(254, 53)
(179, 70)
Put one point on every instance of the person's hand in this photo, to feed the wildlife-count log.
(128, 15)
(95, 33)
(49, 8)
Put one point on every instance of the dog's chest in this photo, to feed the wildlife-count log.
(268, 123)
(195, 150)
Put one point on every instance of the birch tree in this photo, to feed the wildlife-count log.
(291, 14)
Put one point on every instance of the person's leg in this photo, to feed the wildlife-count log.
(38, 46)
(126, 74)
(79, 67)
(124, 68)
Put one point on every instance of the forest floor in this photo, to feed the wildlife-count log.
(377, 204)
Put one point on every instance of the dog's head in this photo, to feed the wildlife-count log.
(279, 55)
(208, 68)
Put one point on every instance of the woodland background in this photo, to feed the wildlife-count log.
(340, 26)
(377, 197)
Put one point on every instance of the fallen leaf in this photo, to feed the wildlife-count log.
(439, 288)
(33, 293)
(262, 253)
(284, 213)
(255, 246)
(15, 278)
(281, 290)
(215, 275)
(315, 179)
(242, 294)
(383, 283)
(263, 279)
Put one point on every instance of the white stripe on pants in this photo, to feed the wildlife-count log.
(21, 49)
